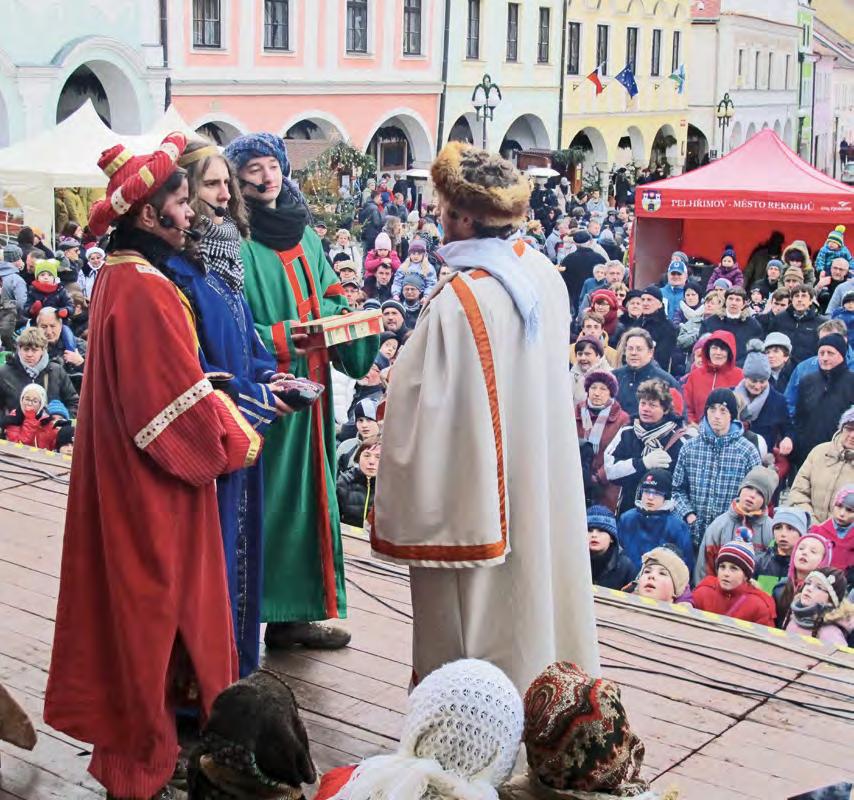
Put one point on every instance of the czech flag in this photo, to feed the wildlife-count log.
(595, 78)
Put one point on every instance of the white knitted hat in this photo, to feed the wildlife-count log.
(460, 738)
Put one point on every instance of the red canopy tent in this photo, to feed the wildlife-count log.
(739, 199)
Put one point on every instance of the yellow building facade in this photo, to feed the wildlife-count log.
(615, 129)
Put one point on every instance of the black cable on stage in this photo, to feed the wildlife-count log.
(28, 468)
(829, 711)
(379, 599)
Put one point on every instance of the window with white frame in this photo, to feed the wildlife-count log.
(473, 30)
(207, 23)
(544, 36)
(277, 35)
(512, 31)
(357, 26)
(412, 27)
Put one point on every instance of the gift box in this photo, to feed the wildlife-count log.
(343, 328)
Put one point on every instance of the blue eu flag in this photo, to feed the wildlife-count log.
(627, 79)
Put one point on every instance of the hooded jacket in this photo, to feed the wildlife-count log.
(640, 531)
(835, 627)
(823, 397)
(55, 380)
(733, 274)
(802, 330)
(743, 328)
(801, 246)
(36, 429)
(703, 380)
(843, 546)
(14, 286)
(744, 602)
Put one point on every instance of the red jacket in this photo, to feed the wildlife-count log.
(746, 602)
(617, 418)
(372, 261)
(703, 380)
(843, 548)
(27, 428)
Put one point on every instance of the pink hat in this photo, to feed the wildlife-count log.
(825, 559)
(382, 242)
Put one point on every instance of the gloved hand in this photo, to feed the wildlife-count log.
(657, 459)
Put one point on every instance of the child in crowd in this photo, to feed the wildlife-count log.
(610, 566)
(46, 290)
(730, 591)
(381, 254)
(728, 269)
(758, 299)
(389, 345)
(821, 608)
(592, 284)
(834, 247)
(837, 530)
(663, 576)
(749, 510)
(845, 312)
(31, 423)
(788, 525)
(811, 552)
(356, 486)
(652, 523)
(367, 426)
(416, 264)
(79, 320)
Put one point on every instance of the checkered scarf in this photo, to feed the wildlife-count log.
(220, 251)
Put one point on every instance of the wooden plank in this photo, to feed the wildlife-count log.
(28, 781)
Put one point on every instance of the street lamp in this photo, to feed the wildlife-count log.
(725, 113)
(485, 97)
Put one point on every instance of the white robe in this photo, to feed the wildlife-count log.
(480, 489)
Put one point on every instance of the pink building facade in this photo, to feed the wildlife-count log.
(366, 71)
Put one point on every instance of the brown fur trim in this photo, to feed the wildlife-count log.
(462, 175)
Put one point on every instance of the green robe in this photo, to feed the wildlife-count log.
(303, 556)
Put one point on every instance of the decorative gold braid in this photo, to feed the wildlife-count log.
(197, 155)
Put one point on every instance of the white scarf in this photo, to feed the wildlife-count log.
(499, 259)
(593, 430)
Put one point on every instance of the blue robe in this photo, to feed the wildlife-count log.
(228, 343)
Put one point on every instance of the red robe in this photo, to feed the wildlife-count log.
(142, 563)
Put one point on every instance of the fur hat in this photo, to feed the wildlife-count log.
(675, 566)
(837, 235)
(603, 519)
(795, 518)
(132, 179)
(762, 479)
(482, 184)
(601, 376)
(756, 366)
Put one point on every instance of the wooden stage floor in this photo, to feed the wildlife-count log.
(790, 728)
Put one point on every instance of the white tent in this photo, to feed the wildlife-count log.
(67, 156)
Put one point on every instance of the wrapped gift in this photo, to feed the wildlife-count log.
(342, 328)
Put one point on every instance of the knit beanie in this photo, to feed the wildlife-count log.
(678, 255)
(762, 479)
(600, 376)
(654, 291)
(729, 250)
(825, 559)
(794, 272)
(795, 518)
(756, 366)
(738, 552)
(595, 343)
(657, 481)
(372, 304)
(581, 237)
(577, 735)
(383, 241)
(631, 295)
(602, 518)
(777, 339)
(50, 265)
(395, 305)
(724, 397)
(39, 391)
(461, 735)
(256, 145)
(723, 283)
(697, 286)
(837, 235)
(12, 253)
(607, 295)
(832, 581)
(837, 341)
(417, 246)
(365, 409)
(775, 263)
(845, 497)
(675, 566)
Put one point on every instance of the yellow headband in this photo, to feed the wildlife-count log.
(198, 155)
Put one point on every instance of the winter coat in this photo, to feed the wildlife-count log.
(770, 568)
(352, 251)
(14, 286)
(603, 491)
(371, 219)
(629, 378)
(766, 287)
(663, 333)
(746, 602)
(86, 279)
(577, 268)
(724, 530)
(689, 320)
(708, 473)
(733, 274)
(703, 380)
(743, 328)
(372, 261)
(640, 531)
(589, 286)
(801, 246)
(834, 628)
(612, 569)
(773, 423)
(424, 269)
(782, 380)
(47, 295)
(825, 257)
(803, 331)
(822, 399)
(624, 465)
(673, 297)
(355, 496)
(848, 318)
(825, 471)
(843, 546)
(36, 430)
(55, 380)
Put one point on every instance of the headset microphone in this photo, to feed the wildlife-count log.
(219, 211)
(168, 222)
(259, 187)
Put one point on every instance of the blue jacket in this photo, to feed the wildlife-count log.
(640, 531)
(773, 422)
(673, 296)
(803, 369)
(848, 318)
(826, 256)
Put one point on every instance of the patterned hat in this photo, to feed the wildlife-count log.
(825, 559)
(577, 735)
(602, 519)
(845, 497)
(739, 553)
(133, 179)
(258, 145)
(837, 235)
